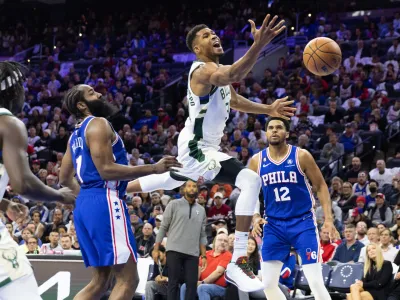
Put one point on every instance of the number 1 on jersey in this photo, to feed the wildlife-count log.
(282, 194)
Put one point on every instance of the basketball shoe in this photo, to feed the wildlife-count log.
(240, 274)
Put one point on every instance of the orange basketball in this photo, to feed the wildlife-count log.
(322, 56)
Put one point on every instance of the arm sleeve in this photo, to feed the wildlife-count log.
(156, 272)
(45, 214)
(336, 256)
(167, 217)
(388, 217)
(203, 235)
(356, 255)
(382, 280)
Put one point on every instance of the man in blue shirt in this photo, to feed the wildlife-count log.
(349, 250)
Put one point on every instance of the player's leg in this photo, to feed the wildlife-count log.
(304, 233)
(97, 286)
(22, 288)
(271, 271)
(150, 183)
(126, 280)
(233, 172)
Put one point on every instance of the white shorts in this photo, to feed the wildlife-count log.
(22, 288)
(198, 159)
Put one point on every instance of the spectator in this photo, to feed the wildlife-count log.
(333, 115)
(328, 247)
(350, 140)
(53, 247)
(146, 241)
(361, 230)
(381, 213)
(41, 209)
(347, 199)
(359, 210)
(381, 174)
(219, 210)
(376, 277)
(158, 281)
(388, 251)
(360, 188)
(392, 192)
(211, 282)
(352, 174)
(332, 151)
(373, 188)
(33, 247)
(349, 250)
(159, 220)
(373, 237)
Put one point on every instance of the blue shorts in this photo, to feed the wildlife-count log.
(103, 228)
(300, 233)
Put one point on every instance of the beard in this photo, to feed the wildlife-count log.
(101, 108)
(192, 195)
(276, 143)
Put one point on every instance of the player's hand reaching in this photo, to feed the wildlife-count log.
(333, 233)
(267, 31)
(68, 195)
(17, 212)
(168, 163)
(282, 108)
(257, 227)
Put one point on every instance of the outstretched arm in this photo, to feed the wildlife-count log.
(311, 170)
(23, 181)
(98, 137)
(212, 74)
(280, 108)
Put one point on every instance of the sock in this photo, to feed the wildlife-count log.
(240, 246)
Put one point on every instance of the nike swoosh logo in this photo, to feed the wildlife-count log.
(266, 165)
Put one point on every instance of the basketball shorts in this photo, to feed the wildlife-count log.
(301, 233)
(198, 158)
(103, 228)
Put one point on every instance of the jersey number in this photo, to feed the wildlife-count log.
(282, 194)
(78, 168)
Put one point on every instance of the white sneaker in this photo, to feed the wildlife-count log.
(240, 274)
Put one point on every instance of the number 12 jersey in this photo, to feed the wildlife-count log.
(287, 193)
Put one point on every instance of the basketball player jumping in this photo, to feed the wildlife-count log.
(210, 96)
(96, 154)
(16, 276)
(284, 171)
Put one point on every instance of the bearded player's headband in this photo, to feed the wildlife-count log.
(10, 81)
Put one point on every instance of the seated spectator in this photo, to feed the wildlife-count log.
(359, 210)
(347, 199)
(392, 191)
(381, 212)
(373, 237)
(328, 247)
(332, 151)
(146, 241)
(352, 174)
(361, 231)
(66, 243)
(360, 188)
(376, 278)
(349, 250)
(159, 219)
(53, 247)
(382, 174)
(211, 280)
(33, 246)
(349, 139)
(333, 115)
(388, 251)
(373, 188)
(43, 210)
(219, 210)
(158, 281)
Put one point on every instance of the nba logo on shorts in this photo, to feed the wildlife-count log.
(212, 165)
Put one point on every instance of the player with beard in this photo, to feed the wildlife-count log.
(210, 97)
(96, 154)
(284, 171)
(16, 276)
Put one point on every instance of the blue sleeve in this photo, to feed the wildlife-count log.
(339, 248)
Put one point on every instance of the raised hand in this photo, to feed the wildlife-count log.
(168, 163)
(267, 31)
(282, 108)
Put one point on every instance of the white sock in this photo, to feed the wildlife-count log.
(240, 246)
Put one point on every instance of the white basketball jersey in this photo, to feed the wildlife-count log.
(208, 114)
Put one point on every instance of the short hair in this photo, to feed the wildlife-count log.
(71, 99)
(350, 226)
(62, 227)
(191, 36)
(66, 235)
(373, 180)
(11, 85)
(285, 122)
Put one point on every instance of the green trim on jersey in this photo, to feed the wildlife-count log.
(5, 112)
(5, 282)
(195, 152)
(213, 90)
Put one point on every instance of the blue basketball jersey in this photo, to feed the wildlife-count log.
(287, 193)
(85, 168)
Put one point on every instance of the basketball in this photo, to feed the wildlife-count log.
(322, 56)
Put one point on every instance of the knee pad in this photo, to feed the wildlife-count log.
(248, 179)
